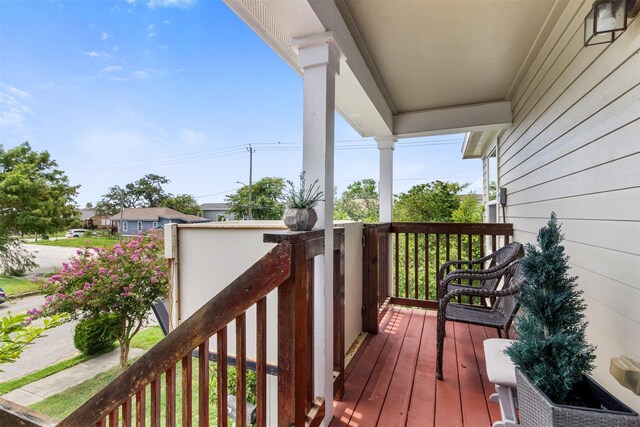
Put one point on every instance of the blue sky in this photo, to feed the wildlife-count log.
(118, 89)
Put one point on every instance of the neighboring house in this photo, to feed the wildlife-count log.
(137, 220)
(91, 220)
(216, 211)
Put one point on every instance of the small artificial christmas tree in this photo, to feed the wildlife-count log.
(552, 350)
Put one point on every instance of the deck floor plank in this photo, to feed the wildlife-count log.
(360, 373)
(396, 405)
(472, 394)
(368, 409)
(392, 381)
(422, 408)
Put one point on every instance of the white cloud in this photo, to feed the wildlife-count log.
(112, 68)
(184, 4)
(13, 108)
(92, 54)
(105, 36)
(191, 138)
(150, 27)
(151, 34)
(166, 22)
(139, 75)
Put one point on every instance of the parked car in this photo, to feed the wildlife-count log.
(76, 232)
(3, 296)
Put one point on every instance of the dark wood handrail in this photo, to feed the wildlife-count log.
(250, 287)
(451, 228)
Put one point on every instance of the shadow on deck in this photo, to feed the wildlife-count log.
(391, 380)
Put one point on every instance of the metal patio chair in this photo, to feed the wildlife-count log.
(499, 315)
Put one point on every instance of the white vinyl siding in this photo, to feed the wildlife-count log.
(574, 148)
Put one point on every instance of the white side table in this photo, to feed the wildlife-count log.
(502, 373)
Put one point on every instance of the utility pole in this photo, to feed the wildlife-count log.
(121, 212)
(251, 151)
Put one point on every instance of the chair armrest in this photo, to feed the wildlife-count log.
(478, 292)
(467, 274)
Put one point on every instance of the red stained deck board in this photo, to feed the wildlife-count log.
(396, 405)
(381, 383)
(422, 407)
(359, 374)
(448, 405)
(478, 335)
(471, 390)
(368, 408)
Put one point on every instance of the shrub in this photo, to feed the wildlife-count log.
(96, 335)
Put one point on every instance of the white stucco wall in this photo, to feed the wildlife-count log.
(208, 257)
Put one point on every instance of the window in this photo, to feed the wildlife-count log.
(125, 226)
(155, 224)
(139, 226)
(492, 187)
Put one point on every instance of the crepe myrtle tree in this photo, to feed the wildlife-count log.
(123, 281)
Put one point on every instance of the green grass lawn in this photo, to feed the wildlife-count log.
(8, 386)
(82, 242)
(14, 286)
(61, 405)
(144, 339)
(147, 338)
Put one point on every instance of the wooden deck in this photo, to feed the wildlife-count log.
(391, 380)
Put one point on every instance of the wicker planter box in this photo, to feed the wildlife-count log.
(536, 410)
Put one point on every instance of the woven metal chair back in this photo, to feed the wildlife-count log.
(503, 257)
(508, 305)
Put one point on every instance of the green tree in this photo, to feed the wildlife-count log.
(35, 196)
(359, 202)
(15, 260)
(431, 202)
(469, 210)
(146, 192)
(266, 199)
(185, 203)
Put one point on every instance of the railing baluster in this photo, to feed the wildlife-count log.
(141, 416)
(470, 251)
(102, 422)
(406, 265)
(459, 250)
(437, 253)
(241, 371)
(155, 402)
(203, 384)
(222, 377)
(113, 418)
(416, 265)
(187, 390)
(126, 413)
(170, 397)
(261, 363)
(396, 258)
(426, 267)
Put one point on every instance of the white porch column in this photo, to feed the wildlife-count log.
(319, 58)
(386, 145)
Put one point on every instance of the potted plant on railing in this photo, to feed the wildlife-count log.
(552, 354)
(300, 215)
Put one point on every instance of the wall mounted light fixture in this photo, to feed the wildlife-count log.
(607, 19)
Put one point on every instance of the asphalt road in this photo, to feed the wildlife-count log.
(58, 342)
(57, 345)
(49, 258)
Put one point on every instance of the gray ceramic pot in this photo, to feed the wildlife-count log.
(299, 219)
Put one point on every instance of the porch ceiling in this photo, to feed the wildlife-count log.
(416, 67)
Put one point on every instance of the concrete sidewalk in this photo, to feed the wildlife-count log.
(56, 383)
